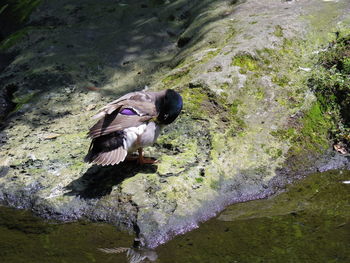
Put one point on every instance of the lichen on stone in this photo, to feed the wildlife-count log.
(248, 112)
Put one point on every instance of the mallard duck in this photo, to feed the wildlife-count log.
(131, 123)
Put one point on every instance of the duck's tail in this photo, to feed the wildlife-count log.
(106, 150)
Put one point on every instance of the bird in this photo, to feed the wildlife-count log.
(130, 123)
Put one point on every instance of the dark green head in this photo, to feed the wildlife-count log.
(169, 107)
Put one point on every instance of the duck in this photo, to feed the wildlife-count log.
(129, 124)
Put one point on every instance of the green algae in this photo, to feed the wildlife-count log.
(22, 100)
(178, 163)
(278, 32)
(315, 127)
(215, 184)
(275, 153)
(260, 94)
(311, 134)
(320, 20)
(176, 77)
(199, 180)
(246, 62)
(330, 82)
(210, 55)
(322, 122)
(216, 68)
(194, 102)
(280, 80)
(78, 165)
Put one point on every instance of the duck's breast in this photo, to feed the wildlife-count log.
(140, 136)
(150, 135)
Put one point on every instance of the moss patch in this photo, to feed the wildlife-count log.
(20, 101)
(246, 62)
(278, 31)
(176, 164)
(194, 101)
(176, 77)
(331, 83)
(315, 127)
(309, 134)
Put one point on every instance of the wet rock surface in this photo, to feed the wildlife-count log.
(249, 125)
(307, 223)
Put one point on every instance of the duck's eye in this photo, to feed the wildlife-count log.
(128, 111)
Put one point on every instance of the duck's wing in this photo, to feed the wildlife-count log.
(112, 157)
(130, 98)
(123, 114)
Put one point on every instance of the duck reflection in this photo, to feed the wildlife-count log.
(134, 254)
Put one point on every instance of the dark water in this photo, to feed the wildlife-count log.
(24, 238)
(308, 223)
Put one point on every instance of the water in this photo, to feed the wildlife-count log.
(308, 223)
(25, 238)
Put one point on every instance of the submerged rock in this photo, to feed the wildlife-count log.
(249, 126)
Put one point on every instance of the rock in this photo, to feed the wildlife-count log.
(249, 126)
(51, 136)
(6, 103)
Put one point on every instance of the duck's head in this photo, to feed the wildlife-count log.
(169, 106)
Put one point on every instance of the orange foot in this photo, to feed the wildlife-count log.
(143, 161)
(140, 159)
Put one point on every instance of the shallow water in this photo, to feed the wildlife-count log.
(25, 238)
(310, 222)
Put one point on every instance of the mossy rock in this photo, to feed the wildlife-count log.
(245, 131)
(332, 87)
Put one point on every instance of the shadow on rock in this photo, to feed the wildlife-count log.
(98, 181)
(4, 170)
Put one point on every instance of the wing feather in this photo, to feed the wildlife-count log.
(120, 155)
(97, 159)
(110, 158)
(127, 99)
(115, 121)
(106, 156)
(119, 123)
(115, 156)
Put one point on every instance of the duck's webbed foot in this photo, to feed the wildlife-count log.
(142, 160)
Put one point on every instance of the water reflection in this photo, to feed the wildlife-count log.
(136, 255)
(27, 238)
(133, 254)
